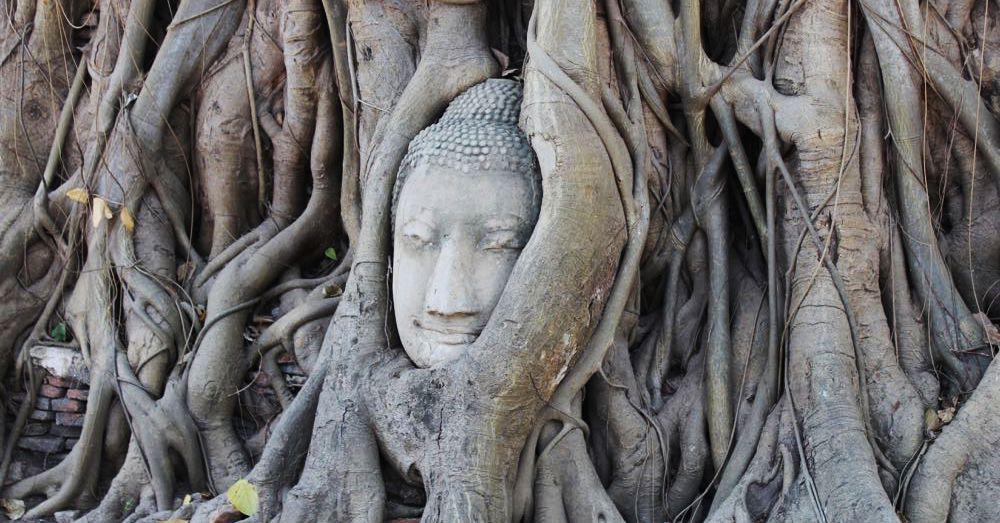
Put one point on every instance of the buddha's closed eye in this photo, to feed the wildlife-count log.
(507, 240)
(418, 234)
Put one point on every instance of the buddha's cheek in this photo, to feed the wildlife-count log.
(409, 286)
(492, 271)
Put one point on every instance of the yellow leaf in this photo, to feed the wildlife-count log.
(243, 497)
(187, 499)
(78, 194)
(127, 221)
(931, 420)
(184, 270)
(100, 210)
(12, 508)
(174, 520)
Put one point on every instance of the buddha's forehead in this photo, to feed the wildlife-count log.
(440, 194)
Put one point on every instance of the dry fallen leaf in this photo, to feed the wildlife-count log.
(12, 508)
(184, 270)
(78, 194)
(989, 329)
(946, 415)
(201, 312)
(932, 421)
(127, 221)
(101, 210)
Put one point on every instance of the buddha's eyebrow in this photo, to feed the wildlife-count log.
(504, 222)
(418, 220)
(422, 213)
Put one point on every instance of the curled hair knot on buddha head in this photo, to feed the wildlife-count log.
(478, 132)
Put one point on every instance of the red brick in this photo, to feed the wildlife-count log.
(37, 429)
(67, 419)
(46, 444)
(68, 405)
(66, 383)
(51, 391)
(42, 415)
(66, 432)
(78, 394)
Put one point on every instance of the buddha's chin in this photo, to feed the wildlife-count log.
(431, 353)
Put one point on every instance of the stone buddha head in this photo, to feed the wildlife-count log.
(466, 200)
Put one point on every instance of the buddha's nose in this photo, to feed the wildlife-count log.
(451, 293)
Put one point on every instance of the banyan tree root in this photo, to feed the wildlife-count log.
(762, 284)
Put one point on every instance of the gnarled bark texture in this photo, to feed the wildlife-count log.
(763, 286)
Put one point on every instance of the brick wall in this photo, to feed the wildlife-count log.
(55, 424)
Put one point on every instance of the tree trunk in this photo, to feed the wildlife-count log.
(753, 273)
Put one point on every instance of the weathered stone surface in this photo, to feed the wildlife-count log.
(61, 362)
(46, 444)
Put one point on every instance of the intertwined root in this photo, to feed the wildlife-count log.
(816, 285)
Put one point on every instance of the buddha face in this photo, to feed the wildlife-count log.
(456, 238)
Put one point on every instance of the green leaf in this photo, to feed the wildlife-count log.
(60, 333)
(243, 497)
(331, 253)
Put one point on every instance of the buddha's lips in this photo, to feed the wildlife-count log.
(448, 334)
